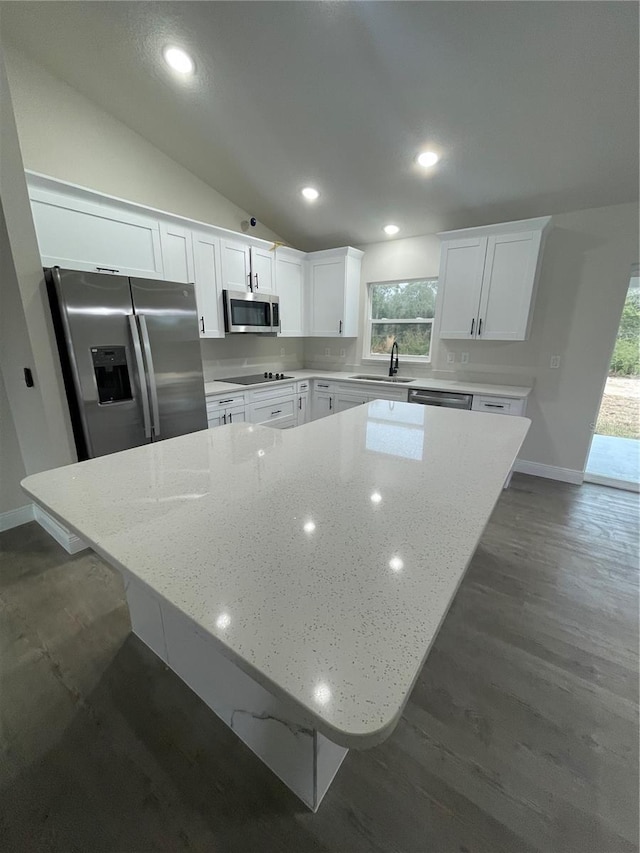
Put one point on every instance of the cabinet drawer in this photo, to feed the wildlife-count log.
(498, 405)
(302, 386)
(271, 391)
(273, 410)
(324, 386)
(215, 404)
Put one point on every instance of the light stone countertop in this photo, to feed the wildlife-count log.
(518, 391)
(322, 559)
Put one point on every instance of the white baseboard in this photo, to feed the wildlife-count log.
(551, 472)
(69, 541)
(16, 517)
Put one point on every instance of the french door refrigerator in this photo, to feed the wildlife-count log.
(130, 355)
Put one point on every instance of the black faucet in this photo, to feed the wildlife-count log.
(393, 369)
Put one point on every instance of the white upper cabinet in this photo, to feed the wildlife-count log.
(75, 232)
(334, 292)
(488, 279)
(247, 267)
(206, 257)
(177, 252)
(263, 269)
(289, 287)
(236, 265)
(461, 266)
(508, 286)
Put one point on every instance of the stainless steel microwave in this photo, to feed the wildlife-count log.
(246, 312)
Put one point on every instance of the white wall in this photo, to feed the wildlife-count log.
(64, 135)
(234, 356)
(584, 279)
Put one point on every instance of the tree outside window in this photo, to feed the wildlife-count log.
(401, 311)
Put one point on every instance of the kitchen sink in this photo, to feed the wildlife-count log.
(382, 378)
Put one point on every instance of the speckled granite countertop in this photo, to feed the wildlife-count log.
(322, 559)
(519, 391)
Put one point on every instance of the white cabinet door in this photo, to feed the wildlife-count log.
(461, 270)
(236, 265)
(322, 404)
(303, 408)
(177, 252)
(508, 285)
(235, 416)
(327, 297)
(289, 287)
(74, 233)
(263, 269)
(344, 400)
(206, 256)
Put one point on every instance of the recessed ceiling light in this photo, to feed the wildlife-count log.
(428, 158)
(177, 59)
(390, 230)
(310, 193)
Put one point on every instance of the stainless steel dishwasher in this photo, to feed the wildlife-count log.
(447, 399)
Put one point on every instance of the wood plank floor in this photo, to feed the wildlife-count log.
(521, 733)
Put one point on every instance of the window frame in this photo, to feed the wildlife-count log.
(367, 355)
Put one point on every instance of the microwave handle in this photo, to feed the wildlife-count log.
(275, 315)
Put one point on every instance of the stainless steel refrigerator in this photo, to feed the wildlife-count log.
(130, 355)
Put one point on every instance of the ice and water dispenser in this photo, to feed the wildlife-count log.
(112, 374)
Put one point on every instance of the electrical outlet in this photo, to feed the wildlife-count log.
(555, 361)
(281, 351)
(327, 351)
(451, 358)
(343, 353)
(464, 358)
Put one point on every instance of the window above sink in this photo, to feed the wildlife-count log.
(401, 311)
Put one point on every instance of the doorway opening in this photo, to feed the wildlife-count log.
(614, 458)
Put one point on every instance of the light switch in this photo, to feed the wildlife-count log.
(555, 361)
(464, 358)
(343, 353)
(327, 351)
(451, 358)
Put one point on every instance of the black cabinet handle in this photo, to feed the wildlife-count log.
(230, 418)
(340, 329)
(322, 386)
(28, 377)
(493, 406)
(256, 281)
(224, 419)
(300, 402)
(330, 403)
(250, 285)
(202, 324)
(473, 322)
(480, 328)
(277, 412)
(107, 269)
(221, 402)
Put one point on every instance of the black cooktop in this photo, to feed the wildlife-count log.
(255, 378)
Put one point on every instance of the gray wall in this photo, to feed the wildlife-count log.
(66, 136)
(11, 464)
(584, 279)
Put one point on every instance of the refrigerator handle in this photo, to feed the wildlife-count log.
(144, 394)
(152, 375)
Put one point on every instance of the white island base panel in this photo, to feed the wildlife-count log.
(303, 758)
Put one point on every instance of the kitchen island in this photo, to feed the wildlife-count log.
(295, 579)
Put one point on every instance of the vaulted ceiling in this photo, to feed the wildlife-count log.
(533, 106)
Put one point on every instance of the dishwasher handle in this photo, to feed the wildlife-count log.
(445, 399)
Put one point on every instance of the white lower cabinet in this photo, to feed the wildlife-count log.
(274, 405)
(498, 405)
(225, 409)
(302, 396)
(344, 400)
